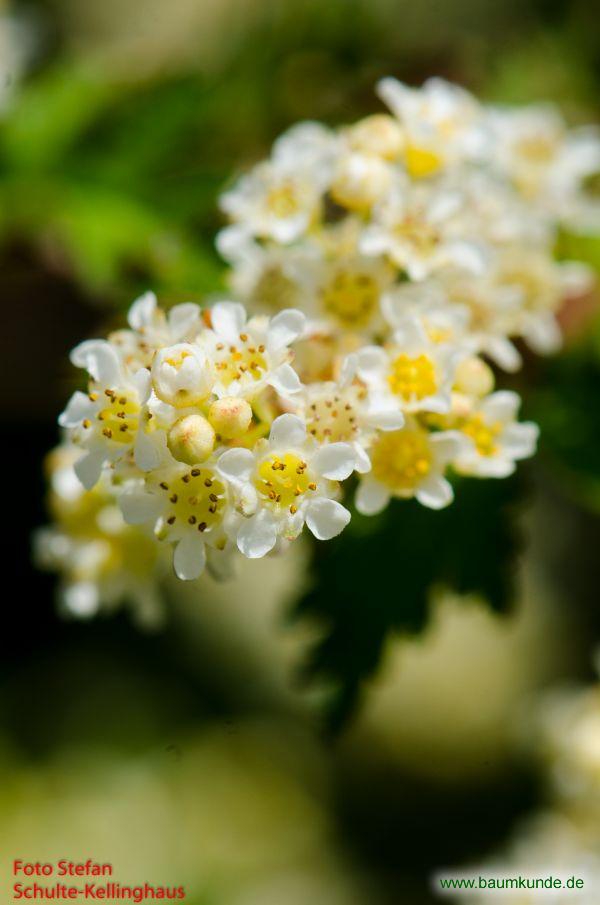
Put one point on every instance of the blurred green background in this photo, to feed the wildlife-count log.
(326, 729)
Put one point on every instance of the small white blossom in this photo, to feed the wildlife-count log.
(287, 481)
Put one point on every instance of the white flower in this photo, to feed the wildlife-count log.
(419, 228)
(346, 411)
(497, 440)
(443, 124)
(187, 506)
(274, 201)
(107, 422)
(286, 482)
(101, 561)
(413, 372)
(182, 375)
(409, 463)
(251, 354)
(152, 329)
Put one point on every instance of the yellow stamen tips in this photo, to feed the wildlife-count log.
(312, 486)
(164, 485)
(244, 337)
(199, 506)
(110, 393)
(282, 479)
(351, 298)
(293, 510)
(421, 162)
(484, 435)
(413, 377)
(123, 400)
(86, 423)
(328, 419)
(93, 397)
(401, 459)
(121, 415)
(107, 433)
(261, 349)
(123, 428)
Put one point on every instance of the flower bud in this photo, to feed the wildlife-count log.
(474, 377)
(379, 134)
(230, 417)
(191, 439)
(182, 375)
(360, 181)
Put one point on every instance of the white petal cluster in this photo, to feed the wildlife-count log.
(386, 267)
(465, 198)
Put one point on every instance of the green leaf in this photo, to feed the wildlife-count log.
(378, 576)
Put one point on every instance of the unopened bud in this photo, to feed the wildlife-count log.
(230, 417)
(379, 134)
(361, 180)
(191, 439)
(474, 377)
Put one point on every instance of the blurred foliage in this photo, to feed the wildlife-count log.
(379, 577)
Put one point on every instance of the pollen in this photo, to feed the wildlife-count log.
(199, 500)
(119, 418)
(241, 360)
(334, 417)
(483, 435)
(283, 480)
(412, 377)
(401, 459)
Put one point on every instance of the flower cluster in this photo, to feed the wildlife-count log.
(390, 264)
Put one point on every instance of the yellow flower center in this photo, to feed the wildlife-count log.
(413, 378)
(421, 162)
(245, 359)
(483, 435)
(351, 297)
(332, 418)
(119, 418)
(420, 234)
(401, 459)
(283, 480)
(274, 290)
(537, 149)
(195, 499)
(282, 201)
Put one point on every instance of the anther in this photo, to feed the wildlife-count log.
(164, 485)
(213, 497)
(192, 520)
(202, 526)
(171, 520)
(195, 472)
(312, 486)
(173, 498)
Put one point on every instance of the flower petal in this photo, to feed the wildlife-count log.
(257, 535)
(142, 311)
(78, 408)
(146, 451)
(88, 468)
(139, 507)
(326, 518)
(370, 361)
(334, 461)
(100, 359)
(435, 492)
(236, 465)
(189, 557)
(287, 430)
(371, 497)
(501, 406)
(182, 319)
(285, 327)
(519, 440)
(285, 380)
(228, 319)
